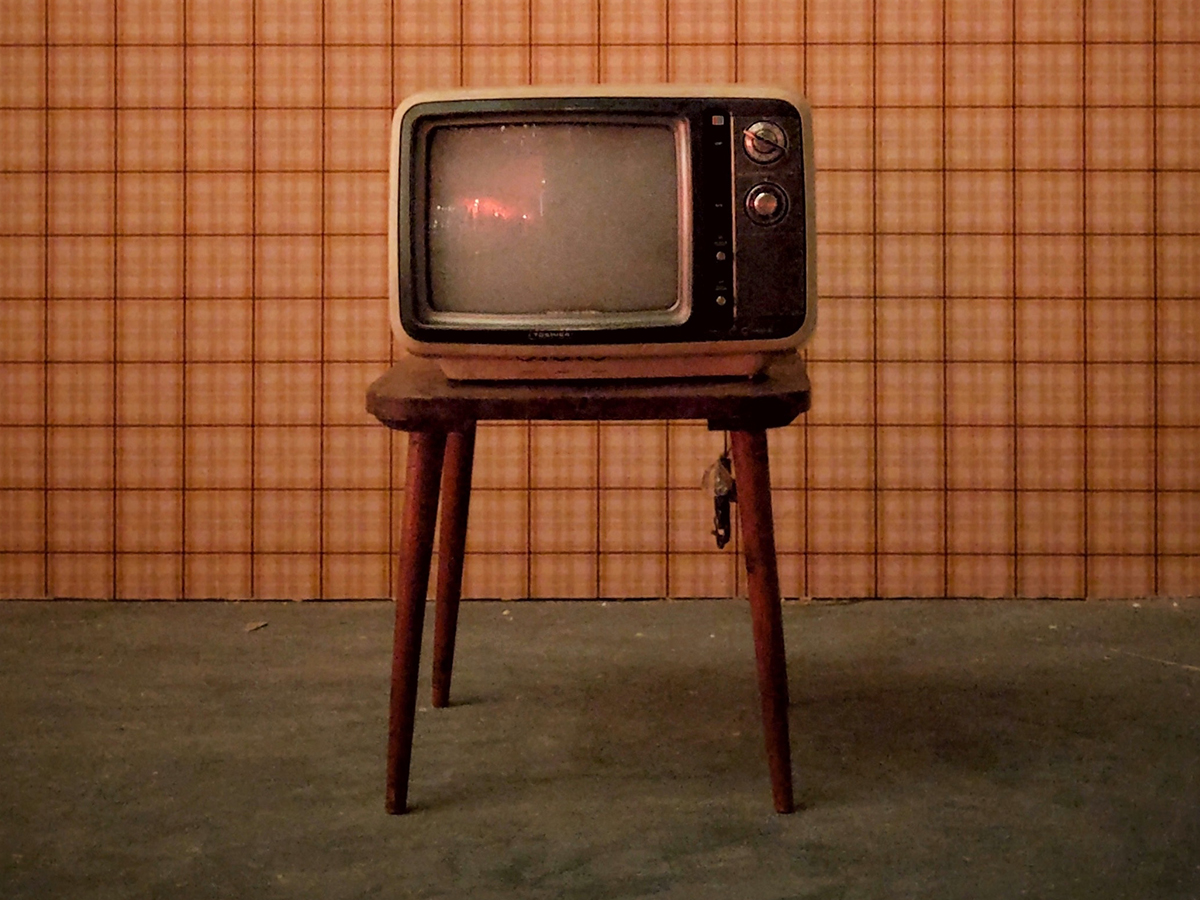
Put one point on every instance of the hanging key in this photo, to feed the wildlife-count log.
(718, 480)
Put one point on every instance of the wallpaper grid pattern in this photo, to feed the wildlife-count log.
(193, 274)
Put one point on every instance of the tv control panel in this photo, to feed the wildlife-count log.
(751, 266)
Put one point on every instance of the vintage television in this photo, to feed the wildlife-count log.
(602, 231)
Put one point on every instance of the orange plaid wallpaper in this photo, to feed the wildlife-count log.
(192, 283)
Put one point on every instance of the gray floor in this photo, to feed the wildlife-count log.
(943, 750)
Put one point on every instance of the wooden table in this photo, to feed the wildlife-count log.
(440, 417)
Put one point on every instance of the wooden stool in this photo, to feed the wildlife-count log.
(440, 417)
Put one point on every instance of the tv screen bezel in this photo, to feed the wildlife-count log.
(425, 311)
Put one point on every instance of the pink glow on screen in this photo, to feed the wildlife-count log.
(491, 208)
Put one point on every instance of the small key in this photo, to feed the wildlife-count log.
(719, 479)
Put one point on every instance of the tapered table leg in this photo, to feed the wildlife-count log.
(758, 532)
(452, 540)
(425, 452)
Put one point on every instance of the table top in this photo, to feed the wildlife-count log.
(414, 395)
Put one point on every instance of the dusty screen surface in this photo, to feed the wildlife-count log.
(536, 218)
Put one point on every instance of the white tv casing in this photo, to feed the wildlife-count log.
(509, 362)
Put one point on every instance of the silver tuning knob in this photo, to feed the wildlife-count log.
(766, 203)
(764, 142)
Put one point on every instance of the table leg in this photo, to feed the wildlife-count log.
(452, 539)
(425, 451)
(758, 532)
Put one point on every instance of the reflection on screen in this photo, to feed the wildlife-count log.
(533, 218)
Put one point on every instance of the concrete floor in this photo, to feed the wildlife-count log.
(943, 750)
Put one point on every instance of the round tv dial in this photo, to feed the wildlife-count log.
(766, 203)
(764, 142)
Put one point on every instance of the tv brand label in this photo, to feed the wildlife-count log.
(558, 335)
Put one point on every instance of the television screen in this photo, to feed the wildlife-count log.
(555, 218)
